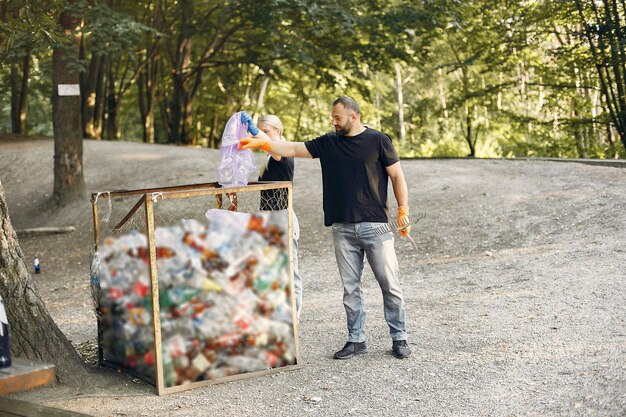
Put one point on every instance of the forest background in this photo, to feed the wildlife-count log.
(443, 78)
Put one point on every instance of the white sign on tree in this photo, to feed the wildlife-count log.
(69, 90)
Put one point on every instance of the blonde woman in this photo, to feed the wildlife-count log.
(279, 168)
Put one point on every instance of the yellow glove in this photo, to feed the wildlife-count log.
(250, 143)
(404, 225)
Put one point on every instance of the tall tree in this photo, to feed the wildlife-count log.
(400, 96)
(25, 32)
(113, 49)
(20, 71)
(207, 36)
(69, 182)
(147, 77)
(604, 24)
(92, 92)
(33, 333)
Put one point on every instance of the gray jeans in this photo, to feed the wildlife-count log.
(352, 242)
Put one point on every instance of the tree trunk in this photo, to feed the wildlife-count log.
(180, 109)
(146, 88)
(19, 93)
(188, 135)
(100, 97)
(400, 104)
(609, 57)
(91, 95)
(147, 115)
(69, 182)
(214, 135)
(300, 112)
(4, 9)
(181, 102)
(175, 111)
(148, 79)
(468, 131)
(442, 100)
(33, 333)
(264, 83)
(111, 124)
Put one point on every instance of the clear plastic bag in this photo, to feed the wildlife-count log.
(235, 166)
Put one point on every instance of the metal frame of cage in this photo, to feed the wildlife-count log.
(181, 192)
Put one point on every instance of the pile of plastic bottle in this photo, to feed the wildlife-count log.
(224, 298)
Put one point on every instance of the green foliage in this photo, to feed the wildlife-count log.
(488, 78)
(111, 31)
(28, 27)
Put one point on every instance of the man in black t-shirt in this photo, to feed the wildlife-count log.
(357, 163)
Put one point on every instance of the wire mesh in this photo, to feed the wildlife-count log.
(120, 283)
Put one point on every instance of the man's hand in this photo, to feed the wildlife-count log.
(250, 143)
(247, 119)
(404, 224)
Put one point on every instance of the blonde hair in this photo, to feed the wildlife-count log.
(273, 121)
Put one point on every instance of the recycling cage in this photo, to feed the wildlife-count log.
(136, 317)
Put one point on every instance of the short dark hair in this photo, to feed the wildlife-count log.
(349, 103)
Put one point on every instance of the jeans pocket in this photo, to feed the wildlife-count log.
(371, 229)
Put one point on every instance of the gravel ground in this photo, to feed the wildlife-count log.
(516, 300)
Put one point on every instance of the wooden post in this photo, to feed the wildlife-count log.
(154, 284)
(294, 309)
(96, 238)
(94, 210)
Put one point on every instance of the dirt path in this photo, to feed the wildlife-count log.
(516, 296)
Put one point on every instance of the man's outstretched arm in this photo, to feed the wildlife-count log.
(260, 140)
(282, 148)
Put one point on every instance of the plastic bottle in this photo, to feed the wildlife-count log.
(169, 372)
(246, 363)
(5, 352)
(37, 267)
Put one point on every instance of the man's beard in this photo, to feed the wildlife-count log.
(344, 129)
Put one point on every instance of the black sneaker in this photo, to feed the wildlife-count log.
(351, 349)
(400, 349)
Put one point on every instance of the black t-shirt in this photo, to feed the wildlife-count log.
(353, 175)
(276, 171)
